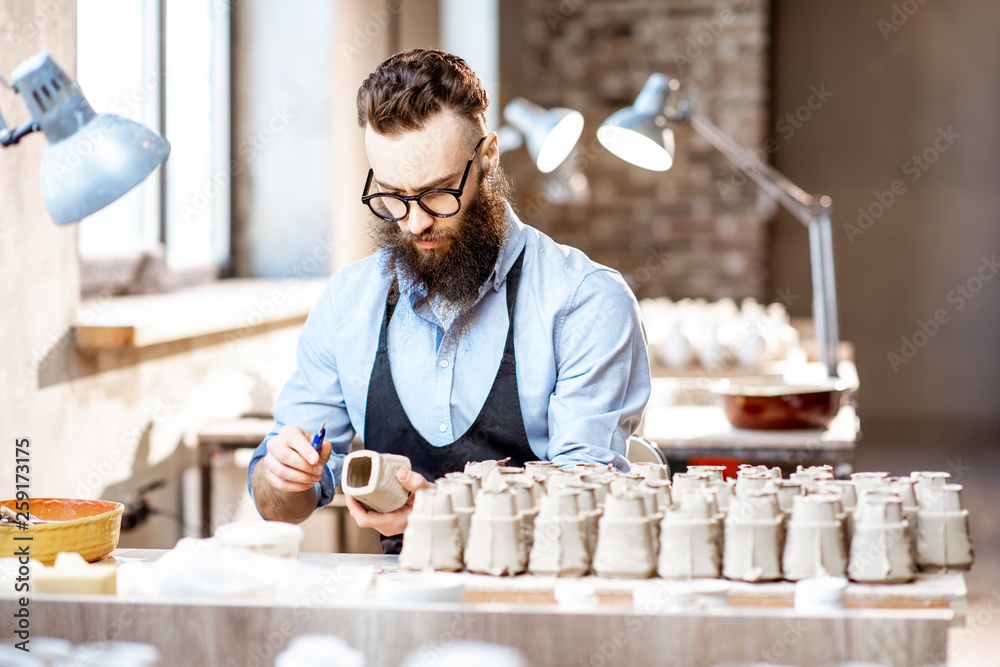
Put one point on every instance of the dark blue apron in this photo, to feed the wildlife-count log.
(497, 433)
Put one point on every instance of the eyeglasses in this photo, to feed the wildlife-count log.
(439, 202)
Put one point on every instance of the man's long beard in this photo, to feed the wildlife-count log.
(457, 271)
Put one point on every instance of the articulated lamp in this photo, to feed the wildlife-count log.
(549, 134)
(92, 159)
(641, 134)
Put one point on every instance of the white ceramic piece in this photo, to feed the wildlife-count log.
(724, 493)
(480, 468)
(651, 471)
(524, 501)
(924, 480)
(419, 588)
(624, 540)
(675, 349)
(753, 533)
(802, 474)
(432, 539)
(590, 512)
(683, 481)
(821, 594)
(814, 542)
(495, 544)
(904, 488)
(560, 541)
(475, 481)
(750, 481)
(689, 538)
(319, 651)
(625, 480)
(880, 546)
(370, 478)
(271, 538)
(868, 480)
(943, 539)
(787, 489)
(750, 349)
(715, 473)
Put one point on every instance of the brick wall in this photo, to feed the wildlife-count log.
(698, 229)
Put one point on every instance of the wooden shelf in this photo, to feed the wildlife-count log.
(239, 305)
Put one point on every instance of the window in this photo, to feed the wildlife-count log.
(163, 63)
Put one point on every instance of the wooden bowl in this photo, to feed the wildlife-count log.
(770, 403)
(89, 527)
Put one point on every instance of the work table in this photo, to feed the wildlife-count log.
(900, 625)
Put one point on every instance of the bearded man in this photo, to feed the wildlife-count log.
(467, 336)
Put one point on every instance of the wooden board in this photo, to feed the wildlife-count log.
(228, 305)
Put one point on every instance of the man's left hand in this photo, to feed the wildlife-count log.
(390, 523)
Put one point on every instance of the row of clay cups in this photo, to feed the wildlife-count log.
(759, 544)
(561, 537)
(938, 524)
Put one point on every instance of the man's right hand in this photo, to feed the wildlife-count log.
(284, 480)
(291, 464)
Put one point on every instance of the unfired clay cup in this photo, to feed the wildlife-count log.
(495, 545)
(559, 544)
(814, 541)
(880, 548)
(624, 540)
(943, 539)
(749, 482)
(432, 539)
(651, 471)
(716, 473)
(787, 490)
(753, 538)
(690, 480)
(370, 478)
(689, 539)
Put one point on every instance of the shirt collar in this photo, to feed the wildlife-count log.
(509, 252)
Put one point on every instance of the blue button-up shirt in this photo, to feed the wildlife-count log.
(582, 369)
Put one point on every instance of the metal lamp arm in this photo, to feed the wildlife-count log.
(8, 138)
(814, 212)
(800, 203)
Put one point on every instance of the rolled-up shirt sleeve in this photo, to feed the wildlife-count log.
(603, 382)
(314, 395)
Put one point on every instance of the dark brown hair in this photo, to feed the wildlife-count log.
(406, 90)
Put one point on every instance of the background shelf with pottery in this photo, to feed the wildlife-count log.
(686, 422)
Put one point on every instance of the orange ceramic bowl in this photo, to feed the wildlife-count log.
(773, 404)
(91, 528)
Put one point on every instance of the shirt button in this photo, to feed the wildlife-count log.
(444, 363)
(443, 428)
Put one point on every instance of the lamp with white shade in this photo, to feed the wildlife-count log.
(642, 134)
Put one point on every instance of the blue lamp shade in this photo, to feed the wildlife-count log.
(640, 134)
(92, 159)
(550, 134)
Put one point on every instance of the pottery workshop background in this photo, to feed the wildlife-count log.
(850, 106)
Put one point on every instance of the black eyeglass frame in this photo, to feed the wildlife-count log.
(457, 192)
